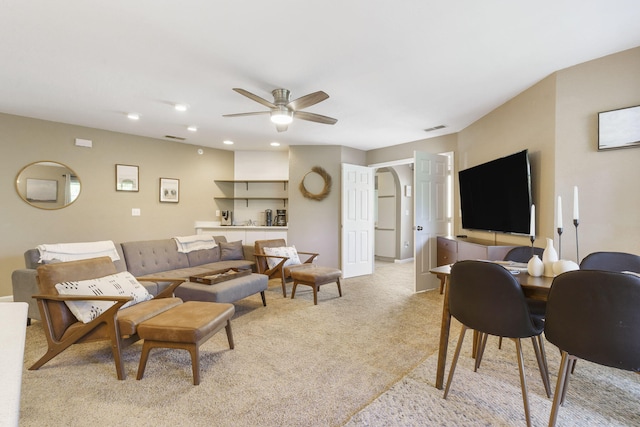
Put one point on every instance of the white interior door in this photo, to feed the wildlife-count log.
(430, 214)
(357, 220)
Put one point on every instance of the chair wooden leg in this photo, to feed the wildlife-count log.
(482, 344)
(523, 382)
(560, 388)
(454, 362)
(284, 283)
(339, 287)
(315, 294)
(500, 343)
(293, 289)
(542, 365)
(565, 387)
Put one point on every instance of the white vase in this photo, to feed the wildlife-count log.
(549, 257)
(535, 267)
(564, 265)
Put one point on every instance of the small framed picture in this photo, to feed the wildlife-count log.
(126, 178)
(169, 190)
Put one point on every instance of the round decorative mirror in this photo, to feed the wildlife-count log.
(48, 185)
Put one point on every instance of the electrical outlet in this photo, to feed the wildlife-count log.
(217, 212)
(135, 212)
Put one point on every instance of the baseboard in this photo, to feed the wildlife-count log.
(8, 298)
(403, 261)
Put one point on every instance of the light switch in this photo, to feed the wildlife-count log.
(135, 212)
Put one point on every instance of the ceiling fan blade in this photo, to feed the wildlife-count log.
(282, 128)
(255, 97)
(312, 117)
(307, 100)
(255, 113)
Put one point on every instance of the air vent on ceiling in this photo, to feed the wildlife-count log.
(435, 128)
(177, 138)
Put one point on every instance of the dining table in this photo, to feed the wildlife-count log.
(534, 287)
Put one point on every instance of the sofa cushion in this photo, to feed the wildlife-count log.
(203, 256)
(146, 257)
(231, 250)
(119, 284)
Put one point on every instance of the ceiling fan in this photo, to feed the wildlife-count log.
(283, 110)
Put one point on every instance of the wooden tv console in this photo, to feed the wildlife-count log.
(452, 249)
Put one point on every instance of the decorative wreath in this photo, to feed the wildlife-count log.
(327, 184)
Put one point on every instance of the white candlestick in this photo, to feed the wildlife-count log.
(532, 227)
(559, 212)
(575, 203)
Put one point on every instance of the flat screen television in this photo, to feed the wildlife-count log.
(496, 196)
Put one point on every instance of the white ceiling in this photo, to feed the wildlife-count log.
(391, 68)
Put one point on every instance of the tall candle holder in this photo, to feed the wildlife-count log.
(533, 239)
(559, 242)
(576, 223)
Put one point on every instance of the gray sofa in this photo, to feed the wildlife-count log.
(155, 259)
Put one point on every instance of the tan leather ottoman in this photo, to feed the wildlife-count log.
(315, 277)
(185, 326)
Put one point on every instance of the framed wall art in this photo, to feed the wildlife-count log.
(619, 128)
(169, 190)
(126, 178)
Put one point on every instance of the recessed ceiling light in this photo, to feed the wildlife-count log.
(181, 107)
(275, 144)
(192, 128)
(227, 142)
(133, 116)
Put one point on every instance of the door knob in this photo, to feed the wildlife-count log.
(419, 228)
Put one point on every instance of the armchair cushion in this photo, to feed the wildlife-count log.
(284, 251)
(119, 284)
(231, 251)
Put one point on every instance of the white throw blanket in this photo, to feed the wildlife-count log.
(75, 251)
(196, 242)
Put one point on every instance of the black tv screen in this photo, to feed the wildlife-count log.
(496, 196)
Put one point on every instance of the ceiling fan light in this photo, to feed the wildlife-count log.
(281, 115)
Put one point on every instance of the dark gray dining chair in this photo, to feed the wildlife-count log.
(611, 261)
(593, 315)
(486, 297)
(522, 253)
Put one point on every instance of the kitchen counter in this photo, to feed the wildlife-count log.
(215, 225)
(247, 233)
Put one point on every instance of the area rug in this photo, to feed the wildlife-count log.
(597, 396)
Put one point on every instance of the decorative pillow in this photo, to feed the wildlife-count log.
(288, 251)
(119, 284)
(231, 250)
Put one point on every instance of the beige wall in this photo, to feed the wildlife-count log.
(101, 212)
(608, 181)
(525, 122)
(314, 226)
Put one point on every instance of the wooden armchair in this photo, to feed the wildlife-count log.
(117, 325)
(279, 271)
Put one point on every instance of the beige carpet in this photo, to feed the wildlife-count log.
(597, 396)
(294, 364)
